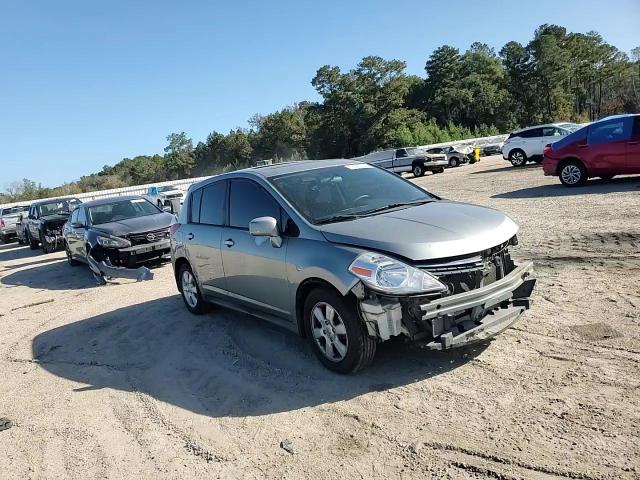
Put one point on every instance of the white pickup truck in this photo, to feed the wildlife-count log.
(8, 218)
(166, 196)
(407, 159)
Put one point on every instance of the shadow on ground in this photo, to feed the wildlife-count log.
(15, 251)
(50, 273)
(221, 364)
(593, 187)
(509, 168)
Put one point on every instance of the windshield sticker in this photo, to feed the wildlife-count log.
(358, 166)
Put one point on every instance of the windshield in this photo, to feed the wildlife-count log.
(325, 194)
(60, 207)
(167, 188)
(122, 210)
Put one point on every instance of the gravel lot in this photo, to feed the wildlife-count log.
(121, 382)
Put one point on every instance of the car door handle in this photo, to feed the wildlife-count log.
(190, 236)
(229, 242)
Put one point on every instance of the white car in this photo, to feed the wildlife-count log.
(166, 196)
(527, 144)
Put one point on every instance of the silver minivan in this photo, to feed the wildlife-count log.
(348, 255)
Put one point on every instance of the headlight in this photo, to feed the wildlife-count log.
(387, 275)
(112, 242)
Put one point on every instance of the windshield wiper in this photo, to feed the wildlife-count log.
(336, 218)
(396, 205)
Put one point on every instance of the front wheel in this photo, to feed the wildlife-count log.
(517, 158)
(454, 162)
(191, 295)
(46, 246)
(70, 259)
(33, 244)
(573, 174)
(338, 337)
(418, 170)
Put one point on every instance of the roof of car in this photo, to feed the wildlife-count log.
(559, 124)
(53, 200)
(108, 200)
(295, 167)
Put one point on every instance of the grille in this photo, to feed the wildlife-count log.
(154, 236)
(469, 273)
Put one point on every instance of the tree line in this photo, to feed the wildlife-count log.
(558, 75)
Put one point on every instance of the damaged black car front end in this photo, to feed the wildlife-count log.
(117, 237)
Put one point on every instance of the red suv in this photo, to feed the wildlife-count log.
(604, 149)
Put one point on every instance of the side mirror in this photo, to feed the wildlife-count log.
(266, 227)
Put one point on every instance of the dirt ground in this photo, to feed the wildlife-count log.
(121, 382)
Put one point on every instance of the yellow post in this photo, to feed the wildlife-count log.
(476, 153)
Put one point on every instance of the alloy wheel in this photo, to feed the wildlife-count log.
(329, 331)
(571, 174)
(189, 289)
(517, 158)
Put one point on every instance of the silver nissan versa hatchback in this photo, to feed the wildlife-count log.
(348, 255)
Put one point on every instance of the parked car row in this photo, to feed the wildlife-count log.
(342, 252)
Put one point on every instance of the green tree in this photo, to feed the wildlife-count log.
(179, 158)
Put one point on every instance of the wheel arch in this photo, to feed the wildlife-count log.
(179, 262)
(566, 160)
(303, 291)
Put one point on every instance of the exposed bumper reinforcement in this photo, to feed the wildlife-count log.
(490, 309)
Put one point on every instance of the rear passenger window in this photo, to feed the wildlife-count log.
(533, 133)
(194, 206)
(212, 204)
(248, 201)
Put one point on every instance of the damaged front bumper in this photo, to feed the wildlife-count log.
(455, 320)
(120, 263)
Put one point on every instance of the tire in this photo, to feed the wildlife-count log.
(454, 162)
(70, 260)
(350, 348)
(33, 244)
(517, 157)
(3, 239)
(192, 297)
(418, 170)
(573, 174)
(46, 247)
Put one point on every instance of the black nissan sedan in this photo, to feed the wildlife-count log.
(116, 233)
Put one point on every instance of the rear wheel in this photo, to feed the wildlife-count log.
(517, 158)
(418, 170)
(191, 295)
(573, 174)
(338, 337)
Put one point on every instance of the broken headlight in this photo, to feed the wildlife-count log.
(107, 241)
(387, 275)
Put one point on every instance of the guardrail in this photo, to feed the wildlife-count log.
(183, 185)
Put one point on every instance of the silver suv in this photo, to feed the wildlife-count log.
(348, 255)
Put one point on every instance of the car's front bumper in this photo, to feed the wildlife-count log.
(455, 320)
(479, 314)
(436, 164)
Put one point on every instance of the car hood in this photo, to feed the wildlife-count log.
(136, 225)
(57, 218)
(439, 229)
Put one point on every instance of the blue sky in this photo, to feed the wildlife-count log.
(86, 83)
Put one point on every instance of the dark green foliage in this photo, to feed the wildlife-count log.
(557, 76)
